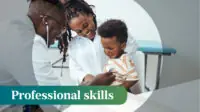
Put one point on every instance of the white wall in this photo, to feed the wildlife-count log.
(139, 23)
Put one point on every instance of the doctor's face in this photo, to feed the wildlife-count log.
(56, 28)
(83, 25)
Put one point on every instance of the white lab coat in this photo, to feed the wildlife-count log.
(87, 57)
(42, 67)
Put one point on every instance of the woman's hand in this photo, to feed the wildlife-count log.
(103, 79)
(87, 79)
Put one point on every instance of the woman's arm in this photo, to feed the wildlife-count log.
(87, 79)
(77, 73)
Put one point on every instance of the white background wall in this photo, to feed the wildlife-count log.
(139, 23)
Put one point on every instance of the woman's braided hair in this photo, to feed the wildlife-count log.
(75, 7)
(72, 9)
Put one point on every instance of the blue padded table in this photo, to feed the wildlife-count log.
(55, 46)
(149, 47)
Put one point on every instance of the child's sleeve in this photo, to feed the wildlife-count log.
(132, 74)
(110, 67)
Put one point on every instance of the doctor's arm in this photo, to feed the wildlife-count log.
(42, 67)
(45, 74)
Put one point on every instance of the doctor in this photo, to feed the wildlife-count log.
(86, 54)
(24, 45)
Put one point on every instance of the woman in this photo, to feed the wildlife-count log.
(86, 55)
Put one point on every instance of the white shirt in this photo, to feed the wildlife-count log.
(88, 57)
(42, 67)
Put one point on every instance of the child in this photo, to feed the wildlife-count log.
(114, 36)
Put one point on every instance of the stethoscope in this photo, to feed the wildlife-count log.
(47, 30)
(47, 27)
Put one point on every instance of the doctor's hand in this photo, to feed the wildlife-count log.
(103, 79)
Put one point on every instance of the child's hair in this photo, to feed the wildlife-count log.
(114, 27)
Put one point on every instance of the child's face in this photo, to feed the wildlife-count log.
(112, 48)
